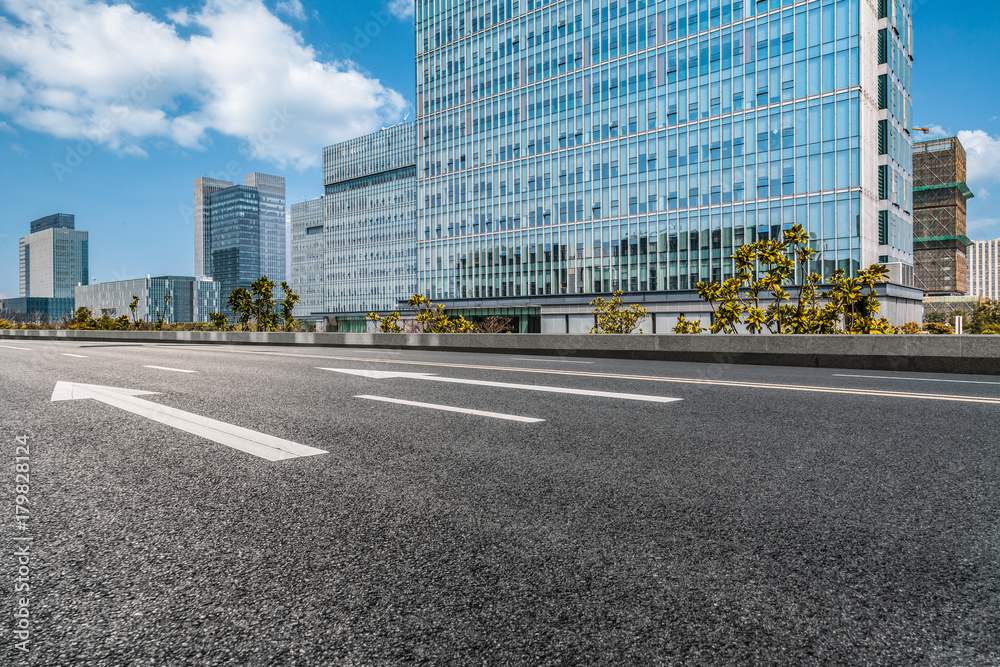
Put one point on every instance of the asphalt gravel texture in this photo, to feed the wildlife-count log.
(740, 525)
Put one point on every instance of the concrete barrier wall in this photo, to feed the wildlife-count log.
(917, 353)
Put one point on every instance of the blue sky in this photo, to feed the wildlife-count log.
(110, 111)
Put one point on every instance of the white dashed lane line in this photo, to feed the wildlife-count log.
(450, 408)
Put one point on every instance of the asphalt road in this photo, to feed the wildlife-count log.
(769, 516)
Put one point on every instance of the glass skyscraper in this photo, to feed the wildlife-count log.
(226, 219)
(307, 257)
(583, 147)
(271, 190)
(233, 251)
(370, 221)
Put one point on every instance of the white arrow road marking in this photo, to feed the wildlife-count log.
(164, 368)
(385, 375)
(259, 444)
(449, 408)
(11, 347)
(78, 356)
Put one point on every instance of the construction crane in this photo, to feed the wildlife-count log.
(925, 130)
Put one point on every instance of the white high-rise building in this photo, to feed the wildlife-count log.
(984, 269)
(53, 258)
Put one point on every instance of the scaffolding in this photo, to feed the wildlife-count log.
(939, 217)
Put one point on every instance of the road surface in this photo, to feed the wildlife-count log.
(236, 505)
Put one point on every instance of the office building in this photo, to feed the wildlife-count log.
(939, 217)
(370, 222)
(240, 230)
(233, 254)
(984, 269)
(37, 309)
(203, 189)
(307, 264)
(53, 258)
(271, 191)
(569, 149)
(191, 299)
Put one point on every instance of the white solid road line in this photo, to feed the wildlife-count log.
(555, 361)
(892, 377)
(449, 408)
(164, 368)
(78, 356)
(259, 444)
(385, 375)
(11, 347)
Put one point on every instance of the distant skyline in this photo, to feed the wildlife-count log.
(110, 112)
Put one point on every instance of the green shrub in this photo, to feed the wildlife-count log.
(937, 328)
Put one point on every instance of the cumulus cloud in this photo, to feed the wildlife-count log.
(936, 131)
(292, 8)
(983, 153)
(120, 78)
(401, 9)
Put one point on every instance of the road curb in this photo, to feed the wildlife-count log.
(967, 354)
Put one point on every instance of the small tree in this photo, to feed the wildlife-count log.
(494, 324)
(219, 321)
(288, 305)
(241, 304)
(82, 319)
(133, 306)
(262, 293)
(986, 315)
(769, 264)
(388, 324)
(688, 326)
(433, 319)
(614, 318)
(166, 304)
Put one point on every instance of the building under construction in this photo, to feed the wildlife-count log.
(939, 197)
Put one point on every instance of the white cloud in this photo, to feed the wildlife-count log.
(401, 9)
(936, 131)
(292, 8)
(983, 153)
(117, 77)
(5, 127)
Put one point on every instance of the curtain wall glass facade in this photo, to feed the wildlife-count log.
(370, 221)
(307, 256)
(233, 252)
(577, 147)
